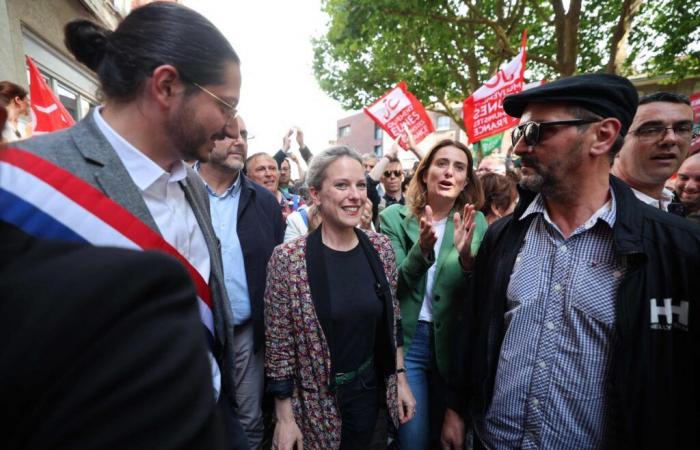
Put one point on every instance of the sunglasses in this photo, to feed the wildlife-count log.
(532, 131)
(396, 173)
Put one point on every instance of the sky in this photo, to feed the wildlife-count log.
(278, 91)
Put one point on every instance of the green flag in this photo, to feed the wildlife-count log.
(491, 143)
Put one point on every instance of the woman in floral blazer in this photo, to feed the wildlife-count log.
(312, 327)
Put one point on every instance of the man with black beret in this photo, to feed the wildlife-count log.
(578, 330)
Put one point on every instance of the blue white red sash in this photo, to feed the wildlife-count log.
(48, 202)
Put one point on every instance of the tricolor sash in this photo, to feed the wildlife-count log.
(48, 202)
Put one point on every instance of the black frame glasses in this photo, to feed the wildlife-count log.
(532, 131)
(396, 173)
(657, 132)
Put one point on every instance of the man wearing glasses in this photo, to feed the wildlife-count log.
(165, 101)
(655, 147)
(579, 334)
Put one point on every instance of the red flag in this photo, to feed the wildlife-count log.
(49, 113)
(398, 108)
(483, 110)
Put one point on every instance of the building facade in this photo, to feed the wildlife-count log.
(35, 29)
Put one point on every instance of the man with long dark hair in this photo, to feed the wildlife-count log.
(170, 83)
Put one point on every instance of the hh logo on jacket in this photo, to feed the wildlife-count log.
(666, 316)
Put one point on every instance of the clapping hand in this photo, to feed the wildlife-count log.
(428, 236)
(463, 234)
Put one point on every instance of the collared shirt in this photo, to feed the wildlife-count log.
(662, 204)
(551, 383)
(164, 199)
(224, 218)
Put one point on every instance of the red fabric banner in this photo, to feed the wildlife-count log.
(398, 108)
(48, 111)
(483, 110)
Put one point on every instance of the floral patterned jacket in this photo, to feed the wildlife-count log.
(295, 345)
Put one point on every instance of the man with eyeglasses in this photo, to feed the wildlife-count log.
(578, 333)
(248, 222)
(655, 146)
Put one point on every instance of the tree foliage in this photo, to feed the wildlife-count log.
(445, 49)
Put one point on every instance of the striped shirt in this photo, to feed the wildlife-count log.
(550, 387)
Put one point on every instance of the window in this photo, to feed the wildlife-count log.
(69, 98)
(443, 123)
(378, 150)
(344, 131)
(77, 104)
(378, 133)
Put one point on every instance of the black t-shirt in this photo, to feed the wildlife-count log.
(355, 307)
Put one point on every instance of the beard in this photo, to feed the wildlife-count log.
(189, 137)
(553, 180)
(224, 162)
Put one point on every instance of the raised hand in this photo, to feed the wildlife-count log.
(463, 234)
(287, 140)
(410, 140)
(300, 137)
(427, 237)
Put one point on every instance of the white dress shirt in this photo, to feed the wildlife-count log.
(662, 204)
(164, 199)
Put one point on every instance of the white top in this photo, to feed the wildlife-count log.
(164, 198)
(426, 309)
(295, 225)
(666, 198)
(9, 133)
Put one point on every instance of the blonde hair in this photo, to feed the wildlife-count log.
(417, 192)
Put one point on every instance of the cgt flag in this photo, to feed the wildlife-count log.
(49, 113)
(483, 110)
(397, 108)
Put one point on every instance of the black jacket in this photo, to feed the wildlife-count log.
(260, 229)
(101, 348)
(655, 389)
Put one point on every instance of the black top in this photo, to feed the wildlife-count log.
(102, 348)
(355, 308)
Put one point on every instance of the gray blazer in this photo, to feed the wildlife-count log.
(84, 151)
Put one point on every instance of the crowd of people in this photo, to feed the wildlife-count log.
(544, 299)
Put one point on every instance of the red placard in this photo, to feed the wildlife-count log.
(483, 110)
(398, 108)
(48, 111)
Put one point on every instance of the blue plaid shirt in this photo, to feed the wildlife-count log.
(551, 383)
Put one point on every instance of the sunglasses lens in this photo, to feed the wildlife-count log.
(532, 133)
(515, 135)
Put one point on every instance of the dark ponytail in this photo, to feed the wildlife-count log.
(156, 34)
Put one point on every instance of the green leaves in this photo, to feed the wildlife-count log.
(445, 49)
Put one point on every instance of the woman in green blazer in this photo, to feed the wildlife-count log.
(430, 238)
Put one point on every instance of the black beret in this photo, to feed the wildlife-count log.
(602, 94)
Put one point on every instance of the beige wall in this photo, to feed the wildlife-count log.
(45, 18)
